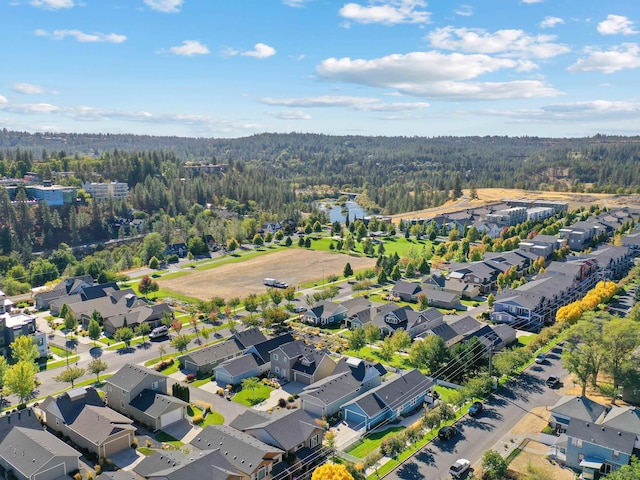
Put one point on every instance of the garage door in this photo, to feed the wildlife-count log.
(116, 445)
(353, 417)
(51, 474)
(171, 417)
(312, 409)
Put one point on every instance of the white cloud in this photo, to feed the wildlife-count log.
(434, 74)
(361, 104)
(532, 1)
(291, 115)
(386, 12)
(295, 3)
(622, 57)
(53, 4)
(82, 37)
(616, 24)
(550, 22)
(464, 10)
(189, 48)
(3, 100)
(506, 42)
(28, 88)
(165, 6)
(260, 50)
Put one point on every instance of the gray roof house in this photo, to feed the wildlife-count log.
(290, 432)
(325, 313)
(32, 454)
(255, 361)
(400, 396)
(68, 286)
(142, 394)
(176, 465)
(81, 415)
(351, 378)
(298, 362)
(406, 291)
(391, 317)
(249, 456)
(203, 361)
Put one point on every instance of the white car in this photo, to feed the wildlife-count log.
(459, 468)
(540, 358)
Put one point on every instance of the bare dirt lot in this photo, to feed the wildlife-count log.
(533, 459)
(293, 266)
(493, 195)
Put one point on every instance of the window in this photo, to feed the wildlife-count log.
(616, 454)
(262, 472)
(605, 468)
(314, 441)
(580, 457)
(154, 386)
(277, 370)
(576, 442)
(121, 403)
(276, 357)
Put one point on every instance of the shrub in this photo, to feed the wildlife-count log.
(549, 430)
(98, 469)
(197, 418)
(134, 444)
(77, 476)
(291, 399)
(220, 392)
(191, 377)
(282, 402)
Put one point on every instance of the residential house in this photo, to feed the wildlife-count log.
(391, 317)
(444, 283)
(203, 361)
(325, 313)
(179, 249)
(632, 241)
(27, 452)
(17, 325)
(80, 415)
(301, 363)
(539, 213)
(613, 262)
(441, 299)
(581, 235)
(68, 286)
(482, 274)
(488, 228)
(255, 361)
(599, 438)
(398, 397)
(406, 291)
(85, 293)
(292, 432)
(542, 245)
(141, 393)
(351, 377)
(140, 313)
(177, 465)
(253, 459)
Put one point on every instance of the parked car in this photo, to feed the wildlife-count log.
(475, 409)
(553, 381)
(459, 468)
(299, 309)
(540, 358)
(447, 433)
(159, 332)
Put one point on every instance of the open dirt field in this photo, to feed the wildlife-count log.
(533, 456)
(492, 195)
(293, 266)
(533, 422)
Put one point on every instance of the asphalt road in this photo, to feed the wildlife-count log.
(476, 435)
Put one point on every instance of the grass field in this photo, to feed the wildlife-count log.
(251, 398)
(367, 445)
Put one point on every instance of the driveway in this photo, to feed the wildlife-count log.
(502, 412)
(206, 393)
(285, 391)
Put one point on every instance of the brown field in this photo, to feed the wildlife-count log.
(293, 266)
(492, 195)
(533, 456)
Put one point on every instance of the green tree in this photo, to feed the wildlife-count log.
(423, 301)
(20, 380)
(24, 349)
(430, 353)
(348, 271)
(258, 241)
(70, 322)
(94, 330)
(494, 467)
(154, 263)
(627, 472)
(275, 295)
(142, 330)
(288, 242)
(393, 445)
(124, 334)
(620, 337)
(4, 366)
(478, 387)
(401, 339)
(382, 277)
(358, 339)
(491, 300)
(251, 385)
(387, 350)
(153, 246)
(70, 375)
(395, 273)
(97, 366)
(180, 342)
(232, 244)
(372, 333)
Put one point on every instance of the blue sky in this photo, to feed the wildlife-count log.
(231, 68)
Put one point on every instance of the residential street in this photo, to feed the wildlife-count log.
(502, 412)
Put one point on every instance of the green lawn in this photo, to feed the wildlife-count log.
(147, 452)
(525, 339)
(166, 438)
(373, 355)
(445, 393)
(369, 444)
(251, 398)
(51, 364)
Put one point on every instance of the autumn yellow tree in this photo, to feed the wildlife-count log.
(331, 471)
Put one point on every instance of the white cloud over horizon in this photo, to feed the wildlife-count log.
(367, 104)
(616, 24)
(28, 88)
(82, 37)
(387, 12)
(622, 57)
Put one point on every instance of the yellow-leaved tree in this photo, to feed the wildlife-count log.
(331, 471)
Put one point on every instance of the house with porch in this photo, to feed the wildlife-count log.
(325, 313)
(68, 286)
(400, 396)
(298, 362)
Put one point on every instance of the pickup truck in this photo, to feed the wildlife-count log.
(272, 282)
(553, 381)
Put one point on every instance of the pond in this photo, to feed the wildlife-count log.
(338, 213)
